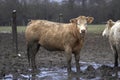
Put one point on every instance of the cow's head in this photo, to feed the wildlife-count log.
(81, 23)
(109, 25)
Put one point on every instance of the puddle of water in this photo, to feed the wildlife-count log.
(54, 74)
(26, 76)
(116, 74)
(8, 77)
(61, 74)
(86, 64)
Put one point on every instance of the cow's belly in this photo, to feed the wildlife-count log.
(52, 48)
(52, 41)
(52, 45)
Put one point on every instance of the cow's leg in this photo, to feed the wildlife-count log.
(115, 56)
(77, 58)
(35, 49)
(69, 58)
(118, 51)
(32, 50)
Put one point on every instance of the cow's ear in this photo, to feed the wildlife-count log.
(90, 19)
(73, 20)
(110, 22)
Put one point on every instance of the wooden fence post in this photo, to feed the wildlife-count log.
(60, 17)
(14, 32)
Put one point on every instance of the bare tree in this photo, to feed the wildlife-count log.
(101, 10)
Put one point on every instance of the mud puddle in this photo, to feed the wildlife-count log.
(89, 71)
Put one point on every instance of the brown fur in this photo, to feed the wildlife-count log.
(55, 36)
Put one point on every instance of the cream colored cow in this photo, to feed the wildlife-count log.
(112, 31)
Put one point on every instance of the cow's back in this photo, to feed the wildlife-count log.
(38, 27)
(50, 35)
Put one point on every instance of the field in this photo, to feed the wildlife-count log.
(96, 59)
(91, 28)
(9, 28)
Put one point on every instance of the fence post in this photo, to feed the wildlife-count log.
(14, 32)
(60, 17)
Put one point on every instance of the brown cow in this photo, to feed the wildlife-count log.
(57, 37)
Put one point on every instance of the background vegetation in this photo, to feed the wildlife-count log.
(101, 10)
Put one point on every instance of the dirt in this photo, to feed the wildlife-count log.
(96, 50)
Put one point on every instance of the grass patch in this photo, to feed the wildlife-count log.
(9, 29)
(91, 28)
(97, 29)
(21, 28)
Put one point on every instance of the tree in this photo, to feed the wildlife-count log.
(101, 10)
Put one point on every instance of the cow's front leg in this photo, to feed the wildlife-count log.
(69, 58)
(77, 58)
(114, 49)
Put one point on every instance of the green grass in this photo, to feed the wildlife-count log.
(9, 29)
(91, 28)
(96, 28)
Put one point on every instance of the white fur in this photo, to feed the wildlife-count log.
(106, 32)
(81, 27)
(113, 34)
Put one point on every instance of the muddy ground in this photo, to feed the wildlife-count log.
(96, 50)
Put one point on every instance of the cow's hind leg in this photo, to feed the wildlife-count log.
(31, 52)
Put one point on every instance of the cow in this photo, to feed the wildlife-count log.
(53, 36)
(112, 31)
